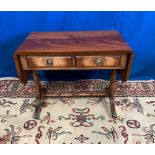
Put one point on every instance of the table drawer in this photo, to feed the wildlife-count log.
(108, 61)
(48, 62)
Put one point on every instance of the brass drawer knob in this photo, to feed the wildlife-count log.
(49, 62)
(99, 61)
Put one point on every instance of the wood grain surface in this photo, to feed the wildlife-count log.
(73, 43)
(91, 61)
(42, 62)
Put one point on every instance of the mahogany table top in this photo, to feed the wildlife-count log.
(73, 43)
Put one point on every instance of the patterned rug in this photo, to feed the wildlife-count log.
(81, 120)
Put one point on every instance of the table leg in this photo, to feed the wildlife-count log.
(112, 91)
(38, 89)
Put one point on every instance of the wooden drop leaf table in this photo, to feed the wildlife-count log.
(81, 50)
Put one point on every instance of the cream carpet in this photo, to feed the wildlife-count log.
(77, 120)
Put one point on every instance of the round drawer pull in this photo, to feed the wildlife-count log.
(99, 61)
(49, 62)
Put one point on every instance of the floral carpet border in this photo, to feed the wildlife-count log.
(13, 88)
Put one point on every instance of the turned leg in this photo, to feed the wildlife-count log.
(38, 89)
(112, 91)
